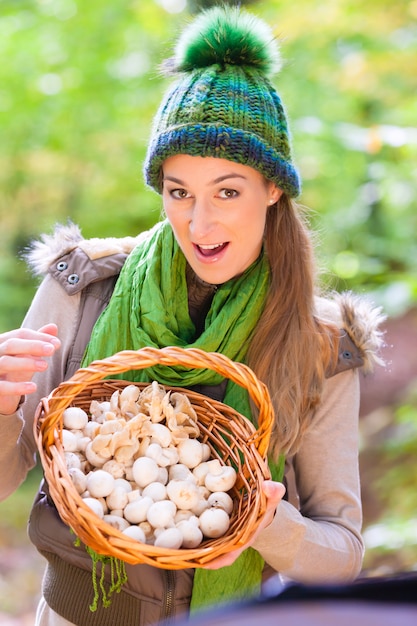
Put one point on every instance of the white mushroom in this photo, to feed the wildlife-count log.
(69, 441)
(74, 418)
(162, 475)
(170, 538)
(214, 523)
(157, 491)
(91, 429)
(190, 452)
(221, 500)
(117, 470)
(220, 477)
(136, 533)
(184, 493)
(116, 522)
(145, 471)
(93, 457)
(100, 484)
(179, 471)
(182, 515)
(95, 505)
(162, 456)
(123, 483)
(158, 433)
(117, 499)
(200, 472)
(137, 510)
(78, 478)
(161, 514)
(134, 494)
(192, 536)
(206, 451)
(72, 460)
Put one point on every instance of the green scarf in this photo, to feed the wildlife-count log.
(149, 307)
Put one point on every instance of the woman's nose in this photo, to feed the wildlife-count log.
(202, 219)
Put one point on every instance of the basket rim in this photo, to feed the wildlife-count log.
(108, 540)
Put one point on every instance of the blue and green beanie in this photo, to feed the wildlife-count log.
(223, 103)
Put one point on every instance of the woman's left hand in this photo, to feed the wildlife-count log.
(274, 493)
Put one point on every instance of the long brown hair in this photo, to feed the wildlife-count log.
(291, 348)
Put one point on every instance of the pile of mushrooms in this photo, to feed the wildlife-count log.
(138, 464)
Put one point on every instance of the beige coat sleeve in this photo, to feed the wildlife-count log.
(320, 540)
(18, 449)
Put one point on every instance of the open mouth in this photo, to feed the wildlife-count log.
(211, 250)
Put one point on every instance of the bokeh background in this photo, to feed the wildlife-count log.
(79, 84)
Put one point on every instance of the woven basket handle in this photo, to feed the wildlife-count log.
(170, 356)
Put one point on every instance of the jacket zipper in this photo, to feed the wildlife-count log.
(169, 594)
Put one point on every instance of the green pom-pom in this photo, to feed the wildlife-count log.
(227, 35)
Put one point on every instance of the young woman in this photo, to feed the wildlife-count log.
(231, 270)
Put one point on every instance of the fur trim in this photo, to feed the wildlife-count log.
(43, 252)
(362, 322)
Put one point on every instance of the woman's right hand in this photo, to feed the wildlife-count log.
(23, 352)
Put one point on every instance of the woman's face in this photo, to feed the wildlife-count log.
(217, 210)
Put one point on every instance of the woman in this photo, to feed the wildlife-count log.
(230, 270)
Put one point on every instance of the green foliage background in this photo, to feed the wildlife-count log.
(79, 85)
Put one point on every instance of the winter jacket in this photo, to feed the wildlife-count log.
(316, 532)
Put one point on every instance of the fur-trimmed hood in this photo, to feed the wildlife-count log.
(361, 336)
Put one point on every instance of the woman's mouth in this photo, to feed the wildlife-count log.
(211, 250)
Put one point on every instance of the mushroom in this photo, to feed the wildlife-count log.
(79, 479)
(145, 471)
(190, 452)
(91, 429)
(74, 418)
(220, 500)
(95, 459)
(158, 434)
(118, 498)
(72, 460)
(162, 456)
(179, 471)
(69, 441)
(100, 484)
(200, 472)
(170, 538)
(161, 514)
(220, 477)
(116, 522)
(184, 493)
(117, 470)
(157, 491)
(135, 532)
(95, 505)
(214, 523)
(136, 511)
(192, 535)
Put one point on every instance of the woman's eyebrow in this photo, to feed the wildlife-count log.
(220, 179)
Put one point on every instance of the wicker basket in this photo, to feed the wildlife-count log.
(231, 437)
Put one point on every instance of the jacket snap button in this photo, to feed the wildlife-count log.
(61, 266)
(73, 279)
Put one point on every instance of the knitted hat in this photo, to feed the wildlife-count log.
(223, 104)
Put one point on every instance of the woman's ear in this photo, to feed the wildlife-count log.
(274, 194)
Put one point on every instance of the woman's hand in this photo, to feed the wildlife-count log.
(23, 352)
(274, 493)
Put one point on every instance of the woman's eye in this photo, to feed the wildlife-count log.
(228, 193)
(179, 194)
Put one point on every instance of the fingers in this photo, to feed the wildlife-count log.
(274, 492)
(23, 352)
(25, 341)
